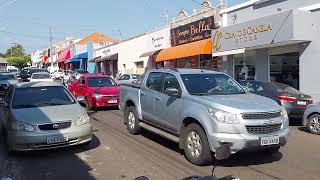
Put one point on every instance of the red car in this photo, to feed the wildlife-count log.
(98, 90)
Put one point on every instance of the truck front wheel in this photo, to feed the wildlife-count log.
(132, 120)
(196, 146)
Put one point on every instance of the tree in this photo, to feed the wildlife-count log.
(19, 62)
(15, 51)
(1, 55)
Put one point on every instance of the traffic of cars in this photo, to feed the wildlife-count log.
(201, 110)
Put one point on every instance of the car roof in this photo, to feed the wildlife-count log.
(40, 73)
(186, 71)
(94, 75)
(37, 84)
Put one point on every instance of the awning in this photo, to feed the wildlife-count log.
(186, 50)
(82, 56)
(231, 52)
(151, 53)
(64, 56)
(72, 60)
(108, 58)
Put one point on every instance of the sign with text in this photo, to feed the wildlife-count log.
(194, 31)
(159, 39)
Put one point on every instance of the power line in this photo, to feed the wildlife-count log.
(28, 35)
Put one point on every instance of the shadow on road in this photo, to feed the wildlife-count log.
(295, 122)
(63, 163)
(303, 129)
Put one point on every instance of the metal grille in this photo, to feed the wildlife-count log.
(54, 126)
(266, 129)
(261, 115)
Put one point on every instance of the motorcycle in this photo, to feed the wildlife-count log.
(223, 152)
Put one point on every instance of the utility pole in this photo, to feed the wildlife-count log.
(51, 49)
(120, 34)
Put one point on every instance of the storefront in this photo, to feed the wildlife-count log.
(265, 49)
(191, 47)
(63, 57)
(106, 60)
(80, 59)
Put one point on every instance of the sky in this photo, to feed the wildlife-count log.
(28, 21)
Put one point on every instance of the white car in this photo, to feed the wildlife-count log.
(41, 77)
(57, 74)
(128, 79)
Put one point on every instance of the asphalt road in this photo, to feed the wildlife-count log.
(115, 154)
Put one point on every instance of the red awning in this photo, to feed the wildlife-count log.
(45, 59)
(66, 54)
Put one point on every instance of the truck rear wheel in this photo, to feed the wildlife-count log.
(132, 119)
(196, 146)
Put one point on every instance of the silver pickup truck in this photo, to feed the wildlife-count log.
(201, 110)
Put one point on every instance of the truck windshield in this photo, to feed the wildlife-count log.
(100, 82)
(211, 84)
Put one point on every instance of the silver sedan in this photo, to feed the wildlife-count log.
(42, 115)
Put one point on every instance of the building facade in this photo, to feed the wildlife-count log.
(271, 40)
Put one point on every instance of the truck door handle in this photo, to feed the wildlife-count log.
(142, 93)
(157, 98)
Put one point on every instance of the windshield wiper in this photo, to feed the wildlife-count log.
(24, 106)
(198, 94)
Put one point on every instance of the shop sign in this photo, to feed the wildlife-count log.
(110, 50)
(159, 39)
(263, 31)
(194, 31)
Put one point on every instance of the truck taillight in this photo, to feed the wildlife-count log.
(311, 101)
(286, 98)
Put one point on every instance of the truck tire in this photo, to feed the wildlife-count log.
(132, 119)
(196, 146)
(313, 122)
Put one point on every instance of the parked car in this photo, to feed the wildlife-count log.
(26, 73)
(128, 79)
(311, 118)
(52, 118)
(293, 100)
(57, 74)
(97, 90)
(201, 110)
(6, 79)
(41, 77)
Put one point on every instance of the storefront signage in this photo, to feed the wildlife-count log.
(263, 31)
(159, 39)
(195, 31)
(106, 51)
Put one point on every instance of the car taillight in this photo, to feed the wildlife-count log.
(287, 98)
(311, 101)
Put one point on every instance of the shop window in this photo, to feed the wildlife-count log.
(244, 67)
(140, 64)
(207, 62)
(284, 68)
(189, 62)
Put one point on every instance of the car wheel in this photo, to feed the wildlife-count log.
(196, 146)
(313, 124)
(88, 105)
(132, 120)
(272, 150)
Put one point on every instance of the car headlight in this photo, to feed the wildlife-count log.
(223, 117)
(84, 119)
(97, 96)
(284, 113)
(21, 126)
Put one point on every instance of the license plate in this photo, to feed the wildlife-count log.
(301, 102)
(113, 101)
(57, 139)
(265, 141)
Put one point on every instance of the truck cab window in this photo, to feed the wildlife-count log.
(155, 81)
(170, 81)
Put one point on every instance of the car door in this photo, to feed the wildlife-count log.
(148, 91)
(168, 108)
(82, 87)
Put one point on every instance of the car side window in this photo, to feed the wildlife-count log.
(82, 81)
(126, 77)
(170, 81)
(254, 87)
(122, 77)
(155, 81)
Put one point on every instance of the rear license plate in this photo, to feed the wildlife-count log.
(302, 103)
(265, 141)
(57, 139)
(113, 101)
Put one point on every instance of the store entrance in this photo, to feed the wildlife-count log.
(284, 68)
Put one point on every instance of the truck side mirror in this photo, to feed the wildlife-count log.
(174, 92)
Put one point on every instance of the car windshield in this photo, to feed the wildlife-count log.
(4, 77)
(100, 82)
(41, 96)
(13, 70)
(135, 76)
(211, 84)
(40, 76)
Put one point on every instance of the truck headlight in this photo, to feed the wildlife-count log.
(284, 113)
(21, 126)
(223, 117)
(84, 119)
(97, 96)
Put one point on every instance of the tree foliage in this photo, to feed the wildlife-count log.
(15, 51)
(19, 62)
